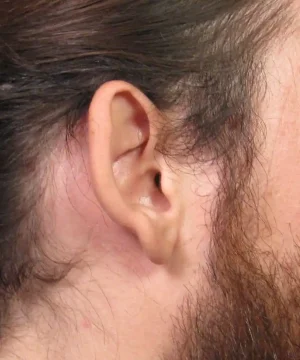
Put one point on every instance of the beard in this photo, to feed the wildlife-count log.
(249, 314)
(251, 307)
(251, 311)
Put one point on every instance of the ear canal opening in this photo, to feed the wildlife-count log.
(157, 181)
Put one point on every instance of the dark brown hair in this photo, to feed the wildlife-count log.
(201, 55)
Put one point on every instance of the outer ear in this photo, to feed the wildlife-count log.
(132, 182)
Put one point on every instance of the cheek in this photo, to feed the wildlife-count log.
(279, 170)
(279, 174)
(282, 193)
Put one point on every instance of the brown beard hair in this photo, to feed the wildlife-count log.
(252, 308)
(245, 317)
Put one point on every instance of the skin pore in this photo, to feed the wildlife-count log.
(173, 270)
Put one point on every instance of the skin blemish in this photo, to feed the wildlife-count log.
(86, 323)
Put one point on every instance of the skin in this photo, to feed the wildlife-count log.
(133, 273)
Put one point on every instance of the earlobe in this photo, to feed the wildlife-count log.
(162, 235)
(124, 166)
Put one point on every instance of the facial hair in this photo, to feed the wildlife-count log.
(252, 308)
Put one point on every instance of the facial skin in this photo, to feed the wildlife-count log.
(143, 287)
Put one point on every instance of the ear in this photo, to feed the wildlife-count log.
(131, 180)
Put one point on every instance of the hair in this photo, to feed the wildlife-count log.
(203, 56)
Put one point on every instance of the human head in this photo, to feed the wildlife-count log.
(136, 151)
